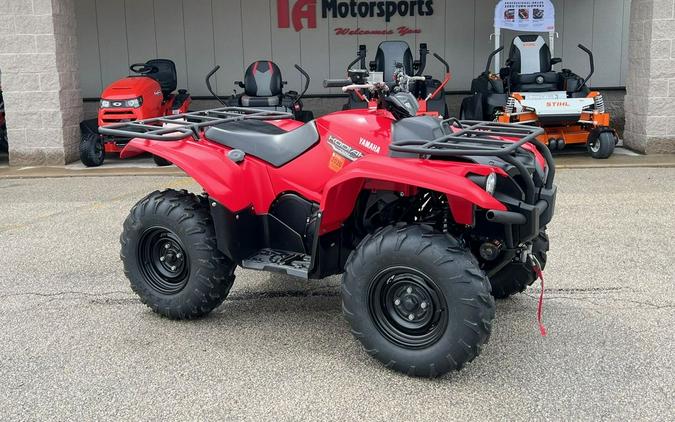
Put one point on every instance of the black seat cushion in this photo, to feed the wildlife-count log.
(263, 79)
(264, 140)
(388, 54)
(166, 75)
(530, 64)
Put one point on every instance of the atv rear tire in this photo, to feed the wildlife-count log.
(161, 162)
(92, 150)
(603, 146)
(417, 301)
(516, 276)
(170, 256)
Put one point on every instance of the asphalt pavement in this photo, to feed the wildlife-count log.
(76, 344)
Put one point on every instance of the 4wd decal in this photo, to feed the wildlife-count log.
(352, 154)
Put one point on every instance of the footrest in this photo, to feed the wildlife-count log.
(291, 263)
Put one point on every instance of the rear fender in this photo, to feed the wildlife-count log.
(207, 164)
(341, 192)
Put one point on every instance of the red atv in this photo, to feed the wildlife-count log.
(421, 215)
(149, 93)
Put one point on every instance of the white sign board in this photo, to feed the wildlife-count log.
(525, 15)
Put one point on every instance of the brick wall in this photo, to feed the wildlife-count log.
(40, 81)
(650, 91)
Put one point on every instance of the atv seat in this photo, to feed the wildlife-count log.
(530, 64)
(262, 85)
(264, 140)
(166, 75)
(388, 54)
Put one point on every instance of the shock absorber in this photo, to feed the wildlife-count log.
(599, 101)
(510, 105)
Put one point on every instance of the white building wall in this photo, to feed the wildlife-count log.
(198, 34)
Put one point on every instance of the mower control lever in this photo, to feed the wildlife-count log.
(442, 60)
(307, 79)
(208, 85)
(592, 62)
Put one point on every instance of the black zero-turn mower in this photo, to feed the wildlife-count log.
(263, 89)
(528, 91)
(390, 56)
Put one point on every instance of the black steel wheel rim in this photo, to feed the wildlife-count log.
(163, 260)
(407, 307)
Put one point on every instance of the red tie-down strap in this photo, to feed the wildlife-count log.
(540, 308)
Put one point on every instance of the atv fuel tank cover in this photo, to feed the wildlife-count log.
(236, 155)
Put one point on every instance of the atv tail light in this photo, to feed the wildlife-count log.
(599, 103)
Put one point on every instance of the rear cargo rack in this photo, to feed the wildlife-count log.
(181, 126)
(475, 138)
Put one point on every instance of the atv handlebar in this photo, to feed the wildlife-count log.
(336, 83)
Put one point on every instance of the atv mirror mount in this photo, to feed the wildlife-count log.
(592, 63)
(208, 85)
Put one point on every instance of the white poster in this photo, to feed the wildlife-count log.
(525, 15)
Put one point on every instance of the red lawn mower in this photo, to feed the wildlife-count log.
(394, 61)
(147, 94)
(425, 218)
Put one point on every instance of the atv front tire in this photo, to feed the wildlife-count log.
(417, 301)
(92, 151)
(516, 276)
(603, 146)
(170, 256)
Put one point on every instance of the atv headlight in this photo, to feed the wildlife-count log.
(491, 183)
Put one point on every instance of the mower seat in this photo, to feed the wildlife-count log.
(264, 140)
(262, 85)
(530, 65)
(388, 54)
(166, 75)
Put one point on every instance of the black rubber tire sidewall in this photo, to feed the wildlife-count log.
(161, 162)
(211, 273)
(88, 154)
(453, 269)
(607, 142)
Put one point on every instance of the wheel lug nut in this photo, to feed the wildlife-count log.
(423, 305)
(409, 290)
(397, 302)
(167, 246)
(161, 258)
(173, 268)
(179, 255)
(411, 317)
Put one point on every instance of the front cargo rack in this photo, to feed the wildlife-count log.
(181, 126)
(477, 138)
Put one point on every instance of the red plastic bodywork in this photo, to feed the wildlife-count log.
(315, 176)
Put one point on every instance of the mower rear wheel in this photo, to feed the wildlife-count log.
(161, 162)
(417, 301)
(92, 151)
(603, 145)
(516, 276)
(170, 256)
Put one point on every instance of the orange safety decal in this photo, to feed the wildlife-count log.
(336, 162)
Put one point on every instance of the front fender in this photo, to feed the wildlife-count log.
(341, 192)
(207, 164)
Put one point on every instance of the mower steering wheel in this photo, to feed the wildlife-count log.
(143, 68)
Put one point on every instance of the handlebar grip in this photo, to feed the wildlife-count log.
(336, 83)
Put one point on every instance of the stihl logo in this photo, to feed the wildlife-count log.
(557, 104)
